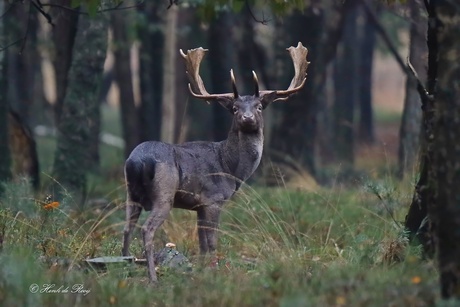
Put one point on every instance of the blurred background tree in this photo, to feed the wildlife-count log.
(144, 77)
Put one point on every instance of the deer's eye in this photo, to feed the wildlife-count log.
(235, 109)
(259, 108)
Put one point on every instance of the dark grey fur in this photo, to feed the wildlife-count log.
(197, 176)
(200, 176)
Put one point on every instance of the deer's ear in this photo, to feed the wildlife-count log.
(268, 98)
(227, 103)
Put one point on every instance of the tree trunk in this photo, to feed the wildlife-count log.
(409, 133)
(419, 226)
(446, 214)
(123, 77)
(151, 70)
(295, 134)
(22, 66)
(5, 158)
(168, 107)
(366, 118)
(346, 90)
(80, 114)
(221, 60)
(63, 37)
(22, 58)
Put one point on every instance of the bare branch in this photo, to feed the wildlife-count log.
(39, 6)
(407, 69)
(424, 95)
(171, 3)
(11, 44)
(262, 21)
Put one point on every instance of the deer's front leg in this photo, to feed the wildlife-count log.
(133, 211)
(208, 221)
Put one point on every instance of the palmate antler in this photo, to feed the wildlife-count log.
(196, 86)
(193, 60)
(299, 59)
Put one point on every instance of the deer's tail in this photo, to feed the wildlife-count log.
(139, 175)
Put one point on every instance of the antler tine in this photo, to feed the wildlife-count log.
(235, 90)
(193, 60)
(256, 84)
(299, 59)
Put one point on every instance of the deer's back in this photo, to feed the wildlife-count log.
(197, 165)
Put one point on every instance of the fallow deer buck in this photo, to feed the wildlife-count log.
(201, 176)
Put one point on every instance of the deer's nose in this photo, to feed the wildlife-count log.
(248, 116)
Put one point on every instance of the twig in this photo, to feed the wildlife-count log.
(263, 21)
(11, 44)
(39, 7)
(424, 95)
(26, 32)
(407, 69)
(171, 3)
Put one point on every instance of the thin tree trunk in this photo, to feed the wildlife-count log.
(221, 61)
(22, 65)
(5, 158)
(295, 133)
(366, 118)
(409, 133)
(417, 223)
(169, 72)
(346, 90)
(123, 77)
(151, 70)
(22, 58)
(63, 37)
(79, 118)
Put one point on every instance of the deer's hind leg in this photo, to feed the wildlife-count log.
(133, 211)
(165, 184)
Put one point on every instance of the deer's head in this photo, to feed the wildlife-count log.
(247, 109)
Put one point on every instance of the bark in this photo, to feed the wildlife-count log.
(22, 58)
(5, 157)
(420, 228)
(123, 77)
(294, 134)
(366, 118)
(23, 149)
(63, 37)
(446, 213)
(186, 38)
(151, 69)
(221, 60)
(346, 90)
(409, 134)
(80, 116)
(168, 107)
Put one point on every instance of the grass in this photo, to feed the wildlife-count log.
(338, 246)
(276, 248)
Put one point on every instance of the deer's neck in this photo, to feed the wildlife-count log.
(241, 152)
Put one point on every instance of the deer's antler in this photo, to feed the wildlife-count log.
(196, 86)
(299, 59)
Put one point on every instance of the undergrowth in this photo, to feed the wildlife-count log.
(338, 246)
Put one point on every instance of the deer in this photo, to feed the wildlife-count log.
(201, 176)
